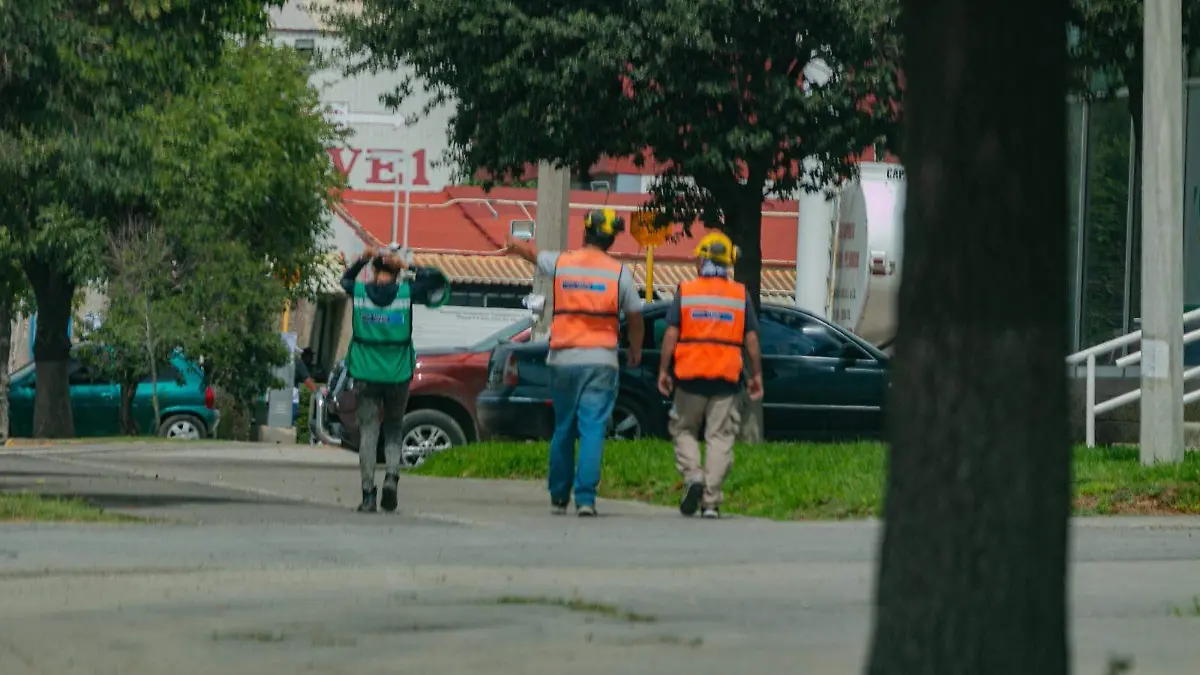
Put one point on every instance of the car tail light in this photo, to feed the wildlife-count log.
(510, 370)
(210, 398)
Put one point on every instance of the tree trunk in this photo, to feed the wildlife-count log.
(51, 351)
(129, 425)
(972, 575)
(6, 319)
(153, 360)
(747, 236)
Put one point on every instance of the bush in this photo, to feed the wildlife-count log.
(303, 434)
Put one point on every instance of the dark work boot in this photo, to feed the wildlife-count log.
(390, 487)
(691, 499)
(368, 502)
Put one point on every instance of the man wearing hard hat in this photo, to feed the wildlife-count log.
(710, 326)
(591, 289)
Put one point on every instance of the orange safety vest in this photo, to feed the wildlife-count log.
(586, 301)
(712, 329)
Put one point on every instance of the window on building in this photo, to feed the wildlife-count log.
(1106, 222)
(1076, 154)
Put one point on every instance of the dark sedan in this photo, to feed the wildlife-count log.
(822, 383)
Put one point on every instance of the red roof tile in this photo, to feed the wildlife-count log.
(466, 220)
(505, 270)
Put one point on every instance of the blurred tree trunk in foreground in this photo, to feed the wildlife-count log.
(972, 577)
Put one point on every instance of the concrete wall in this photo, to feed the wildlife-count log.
(94, 302)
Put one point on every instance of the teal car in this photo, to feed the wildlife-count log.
(187, 405)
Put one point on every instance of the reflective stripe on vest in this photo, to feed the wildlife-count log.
(586, 301)
(712, 328)
(381, 347)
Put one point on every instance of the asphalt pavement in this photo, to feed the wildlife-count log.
(254, 561)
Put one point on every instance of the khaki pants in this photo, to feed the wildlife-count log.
(721, 417)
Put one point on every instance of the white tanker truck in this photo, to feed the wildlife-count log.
(849, 252)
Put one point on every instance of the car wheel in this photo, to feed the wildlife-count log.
(628, 421)
(425, 432)
(182, 427)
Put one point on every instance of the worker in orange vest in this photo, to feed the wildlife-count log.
(591, 289)
(709, 326)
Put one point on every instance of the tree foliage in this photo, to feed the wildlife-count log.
(156, 110)
(145, 320)
(726, 97)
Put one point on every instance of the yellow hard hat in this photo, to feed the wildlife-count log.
(604, 221)
(717, 247)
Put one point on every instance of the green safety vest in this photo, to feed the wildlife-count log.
(381, 349)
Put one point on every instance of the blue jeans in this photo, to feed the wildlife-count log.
(583, 399)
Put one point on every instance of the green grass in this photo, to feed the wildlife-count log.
(809, 481)
(1112, 481)
(21, 507)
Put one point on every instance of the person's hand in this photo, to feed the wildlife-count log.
(366, 255)
(665, 384)
(755, 388)
(396, 261)
(634, 358)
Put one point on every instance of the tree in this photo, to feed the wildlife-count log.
(13, 296)
(242, 182)
(74, 76)
(726, 97)
(145, 321)
(972, 575)
(1107, 46)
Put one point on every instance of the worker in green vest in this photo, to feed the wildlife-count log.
(382, 359)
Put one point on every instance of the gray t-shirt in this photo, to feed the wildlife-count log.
(631, 303)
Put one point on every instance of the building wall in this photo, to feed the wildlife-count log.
(94, 303)
(368, 157)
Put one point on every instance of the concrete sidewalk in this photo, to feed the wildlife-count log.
(323, 476)
(476, 577)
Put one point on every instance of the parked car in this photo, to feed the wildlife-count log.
(187, 405)
(821, 382)
(441, 402)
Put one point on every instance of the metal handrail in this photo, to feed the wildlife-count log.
(1136, 357)
(1118, 342)
(1089, 355)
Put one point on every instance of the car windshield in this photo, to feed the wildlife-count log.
(501, 336)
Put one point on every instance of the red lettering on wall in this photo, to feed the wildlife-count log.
(382, 172)
(849, 259)
(420, 170)
(339, 159)
(383, 167)
(846, 230)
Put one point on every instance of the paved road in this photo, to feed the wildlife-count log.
(260, 565)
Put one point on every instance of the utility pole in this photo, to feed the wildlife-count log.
(1162, 235)
(550, 234)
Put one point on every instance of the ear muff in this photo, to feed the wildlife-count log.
(604, 222)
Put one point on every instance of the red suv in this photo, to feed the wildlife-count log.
(441, 403)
